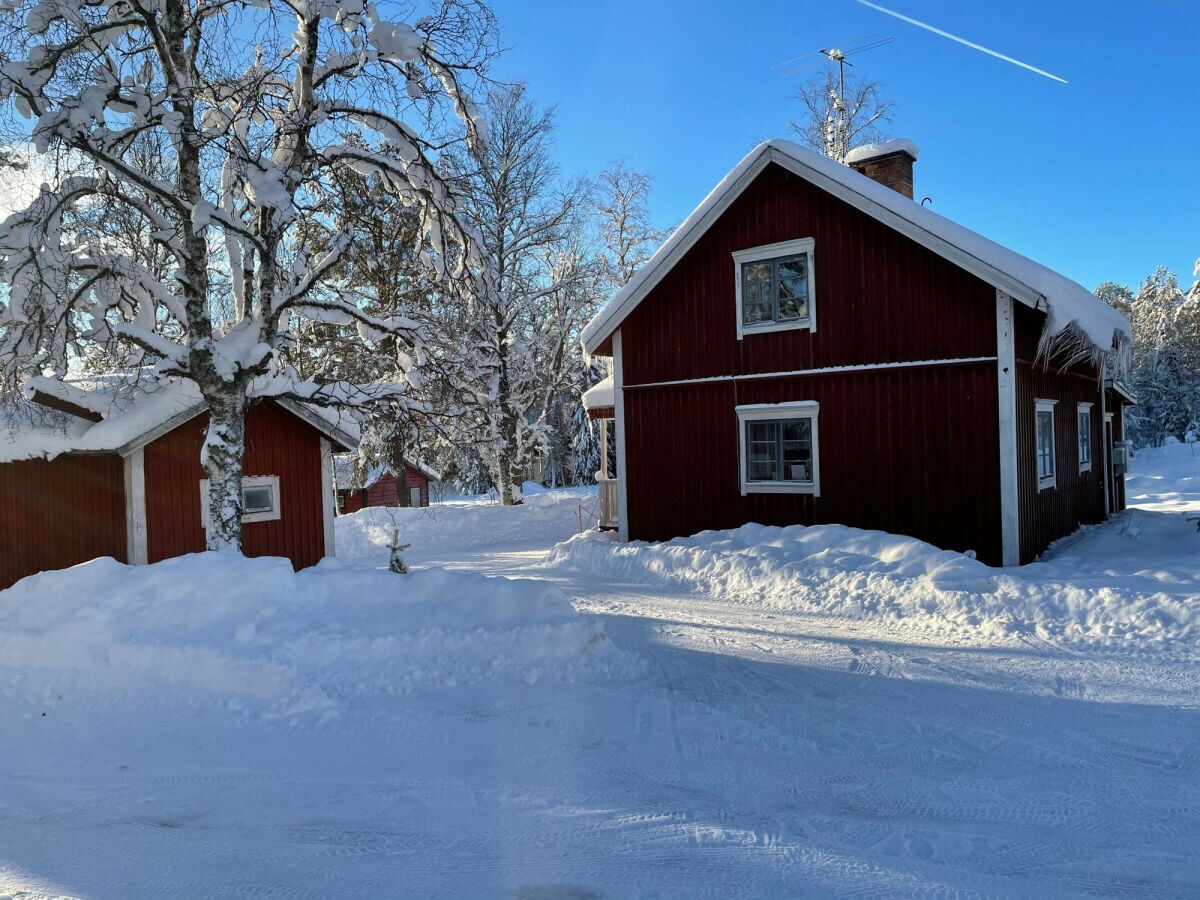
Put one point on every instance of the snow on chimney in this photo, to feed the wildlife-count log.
(890, 163)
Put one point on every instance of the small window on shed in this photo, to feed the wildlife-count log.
(260, 499)
(774, 287)
(1044, 440)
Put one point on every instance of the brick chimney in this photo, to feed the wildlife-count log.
(890, 163)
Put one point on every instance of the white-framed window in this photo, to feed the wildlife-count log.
(775, 287)
(260, 499)
(1083, 418)
(778, 448)
(1043, 433)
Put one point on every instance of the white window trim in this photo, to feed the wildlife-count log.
(1084, 466)
(1052, 479)
(757, 412)
(271, 515)
(772, 251)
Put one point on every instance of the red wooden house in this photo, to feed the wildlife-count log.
(811, 346)
(383, 486)
(124, 480)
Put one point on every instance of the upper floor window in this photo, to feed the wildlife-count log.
(1084, 418)
(775, 287)
(1044, 438)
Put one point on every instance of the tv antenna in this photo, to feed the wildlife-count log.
(836, 128)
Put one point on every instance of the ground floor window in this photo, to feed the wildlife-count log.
(260, 499)
(1044, 437)
(1084, 418)
(778, 447)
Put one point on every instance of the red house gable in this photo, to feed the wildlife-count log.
(878, 384)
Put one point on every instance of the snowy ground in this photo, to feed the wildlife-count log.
(765, 712)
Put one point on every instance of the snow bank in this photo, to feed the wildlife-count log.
(253, 636)
(544, 518)
(1165, 478)
(1122, 586)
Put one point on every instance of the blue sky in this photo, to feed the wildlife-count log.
(1098, 178)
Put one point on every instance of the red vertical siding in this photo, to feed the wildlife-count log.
(277, 443)
(389, 491)
(912, 451)
(60, 513)
(414, 478)
(384, 492)
(1077, 498)
(879, 296)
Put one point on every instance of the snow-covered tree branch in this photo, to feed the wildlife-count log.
(248, 142)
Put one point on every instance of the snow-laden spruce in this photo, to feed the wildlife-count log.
(176, 240)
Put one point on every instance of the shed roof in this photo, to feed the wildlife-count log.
(344, 469)
(1066, 303)
(130, 416)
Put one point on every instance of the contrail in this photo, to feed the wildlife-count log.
(954, 37)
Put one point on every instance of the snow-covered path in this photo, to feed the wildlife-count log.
(764, 750)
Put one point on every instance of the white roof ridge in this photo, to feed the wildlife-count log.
(1065, 301)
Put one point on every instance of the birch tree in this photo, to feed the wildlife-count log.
(257, 105)
(510, 352)
(838, 118)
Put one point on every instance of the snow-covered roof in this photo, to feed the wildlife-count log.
(344, 468)
(130, 418)
(869, 151)
(600, 395)
(1065, 302)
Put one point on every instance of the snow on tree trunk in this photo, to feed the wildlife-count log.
(209, 143)
(222, 457)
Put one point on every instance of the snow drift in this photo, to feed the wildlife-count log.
(1126, 589)
(255, 637)
(546, 517)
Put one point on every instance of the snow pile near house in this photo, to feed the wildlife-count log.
(1133, 586)
(1165, 478)
(250, 635)
(545, 517)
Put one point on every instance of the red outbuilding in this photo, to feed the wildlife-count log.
(122, 478)
(812, 346)
(383, 485)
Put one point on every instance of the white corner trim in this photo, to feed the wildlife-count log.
(759, 412)
(773, 251)
(619, 413)
(328, 500)
(1045, 405)
(1006, 380)
(135, 508)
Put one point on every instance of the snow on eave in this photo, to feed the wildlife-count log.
(601, 395)
(145, 418)
(883, 148)
(333, 424)
(1064, 301)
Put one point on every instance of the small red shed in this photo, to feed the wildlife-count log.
(811, 346)
(383, 486)
(123, 479)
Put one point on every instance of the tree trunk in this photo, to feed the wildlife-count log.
(224, 447)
